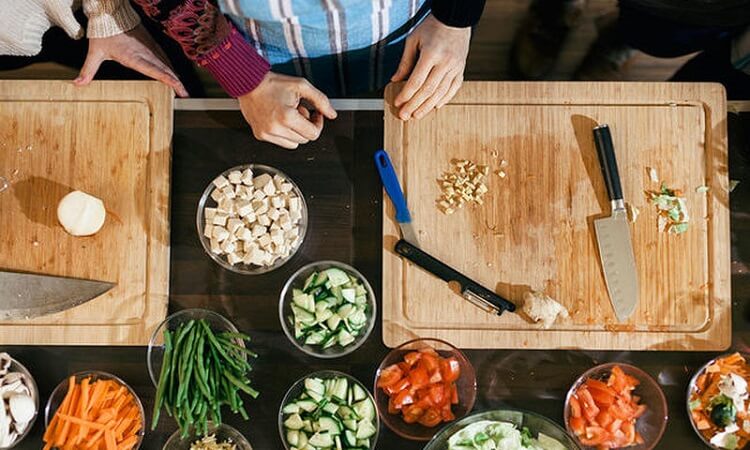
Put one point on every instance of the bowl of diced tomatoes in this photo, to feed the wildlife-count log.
(616, 405)
(423, 384)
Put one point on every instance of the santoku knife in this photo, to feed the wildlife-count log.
(28, 295)
(393, 189)
(613, 234)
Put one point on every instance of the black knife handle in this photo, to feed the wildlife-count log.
(608, 160)
(448, 274)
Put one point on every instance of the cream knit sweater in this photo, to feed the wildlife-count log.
(24, 22)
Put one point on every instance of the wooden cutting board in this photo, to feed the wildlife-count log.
(112, 140)
(535, 229)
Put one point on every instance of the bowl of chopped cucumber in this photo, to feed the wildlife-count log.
(328, 410)
(327, 309)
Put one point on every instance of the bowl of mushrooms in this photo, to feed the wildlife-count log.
(20, 401)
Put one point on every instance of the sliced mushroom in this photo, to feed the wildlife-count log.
(22, 408)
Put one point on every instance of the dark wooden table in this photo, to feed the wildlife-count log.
(344, 198)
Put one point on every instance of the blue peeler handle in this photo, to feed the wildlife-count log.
(392, 186)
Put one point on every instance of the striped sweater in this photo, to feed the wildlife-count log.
(238, 49)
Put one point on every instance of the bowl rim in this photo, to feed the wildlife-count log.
(99, 374)
(176, 434)
(153, 375)
(34, 396)
(691, 385)
(508, 409)
(372, 302)
(642, 374)
(438, 428)
(199, 215)
(325, 374)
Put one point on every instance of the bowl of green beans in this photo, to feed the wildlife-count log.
(200, 365)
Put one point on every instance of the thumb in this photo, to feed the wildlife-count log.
(317, 99)
(407, 61)
(89, 69)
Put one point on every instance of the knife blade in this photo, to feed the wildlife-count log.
(27, 295)
(613, 234)
(393, 189)
(477, 294)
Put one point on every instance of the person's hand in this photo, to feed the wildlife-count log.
(135, 49)
(277, 110)
(435, 55)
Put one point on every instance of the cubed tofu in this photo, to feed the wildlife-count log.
(291, 233)
(258, 257)
(258, 230)
(247, 177)
(269, 188)
(277, 237)
(220, 219)
(294, 204)
(234, 224)
(295, 216)
(264, 220)
(244, 208)
(273, 214)
(265, 240)
(220, 182)
(220, 233)
(244, 234)
(228, 247)
(262, 180)
(278, 180)
(217, 195)
(215, 247)
(228, 192)
(250, 218)
(234, 258)
(263, 208)
(286, 187)
(209, 213)
(258, 194)
(208, 230)
(249, 246)
(235, 177)
(277, 202)
(285, 222)
(274, 226)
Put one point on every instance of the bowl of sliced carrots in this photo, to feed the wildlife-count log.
(616, 405)
(423, 384)
(94, 410)
(717, 402)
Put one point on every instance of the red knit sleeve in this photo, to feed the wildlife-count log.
(207, 37)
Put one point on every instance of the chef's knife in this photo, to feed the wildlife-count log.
(470, 289)
(27, 295)
(613, 234)
(393, 189)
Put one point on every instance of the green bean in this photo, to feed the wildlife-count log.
(162, 383)
(242, 386)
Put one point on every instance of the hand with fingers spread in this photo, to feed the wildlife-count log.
(277, 110)
(135, 49)
(434, 59)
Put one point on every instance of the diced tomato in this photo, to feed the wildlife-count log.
(447, 413)
(389, 375)
(438, 395)
(638, 438)
(430, 363)
(436, 377)
(594, 436)
(391, 406)
(412, 413)
(604, 419)
(405, 368)
(402, 399)
(588, 406)
(614, 425)
(575, 406)
(578, 425)
(602, 397)
(450, 369)
(454, 395)
(429, 351)
(397, 387)
(640, 410)
(628, 428)
(419, 378)
(411, 358)
(432, 417)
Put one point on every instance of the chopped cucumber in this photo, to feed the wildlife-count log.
(330, 310)
(331, 414)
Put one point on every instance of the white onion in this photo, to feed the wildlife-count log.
(81, 214)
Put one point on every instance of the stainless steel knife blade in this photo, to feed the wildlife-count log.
(618, 262)
(28, 295)
(408, 233)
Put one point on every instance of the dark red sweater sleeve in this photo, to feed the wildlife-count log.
(458, 13)
(208, 38)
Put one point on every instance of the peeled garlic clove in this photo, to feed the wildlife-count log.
(81, 214)
(22, 408)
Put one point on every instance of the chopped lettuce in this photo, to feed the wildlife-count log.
(493, 435)
(672, 209)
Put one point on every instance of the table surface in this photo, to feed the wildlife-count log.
(344, 198)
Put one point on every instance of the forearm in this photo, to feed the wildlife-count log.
(458, 13)
(109, 17)
(209, 39)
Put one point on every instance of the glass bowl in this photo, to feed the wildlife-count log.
(651, 424)
(692, 388)
(466, 385)
(534, 422)
(16, 366)
(299, 385)
(207, 201)
(223, 433)
(155, 352)
(285, 309)
(57, 396)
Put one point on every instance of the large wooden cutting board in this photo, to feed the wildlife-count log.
(112, 140)
(536, 231)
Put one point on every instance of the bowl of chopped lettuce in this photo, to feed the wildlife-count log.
(505, 429)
